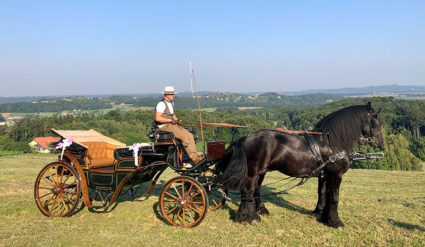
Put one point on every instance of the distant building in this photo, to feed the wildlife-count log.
(43, 144)
(14, 117)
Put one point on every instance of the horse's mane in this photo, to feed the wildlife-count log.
(342, 128)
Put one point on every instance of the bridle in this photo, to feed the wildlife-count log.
(373, 123)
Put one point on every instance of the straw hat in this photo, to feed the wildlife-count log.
(169, 90)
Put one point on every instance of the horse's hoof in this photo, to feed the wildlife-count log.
(247, 220)
(244, 220)
(245, 223)
(335, 224)
(317, 211)
(255, 221)
(263, 211)
(256, 218)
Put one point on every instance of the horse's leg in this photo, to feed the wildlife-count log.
(259, 205)
(321, 201)
(330, 211)
(246, 212)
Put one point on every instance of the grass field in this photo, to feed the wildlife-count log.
(379, 208)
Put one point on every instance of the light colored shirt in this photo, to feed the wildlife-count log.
(160, 107)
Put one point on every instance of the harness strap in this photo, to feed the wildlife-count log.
(314, 147)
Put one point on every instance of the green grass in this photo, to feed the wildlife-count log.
(210, 109)
(379, 208)
(8, 153)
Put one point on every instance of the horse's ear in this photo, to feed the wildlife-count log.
(369, 106)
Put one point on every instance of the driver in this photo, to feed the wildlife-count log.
(167, 120)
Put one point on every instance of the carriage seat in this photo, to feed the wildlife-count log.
(157, 135)
(100, 153)
(164, 136)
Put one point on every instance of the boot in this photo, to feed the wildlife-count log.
(198, 159)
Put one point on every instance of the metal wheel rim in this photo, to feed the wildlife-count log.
(183, 202)
(57, 190)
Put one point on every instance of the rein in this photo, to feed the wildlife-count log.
(251, 127)
(333, 158)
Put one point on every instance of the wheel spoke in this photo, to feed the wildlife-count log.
(69, 185)
(63, 201)
(45, 195)
(188, 212)
(190, 189)
(47, 202)
(57, 180)
(171, 210)
(184, 217)
(176, 216)
(213, 200)
(63, 169)
(69, 175)
(53, 205)
(197, 207)
(44, 188)
(59, 206)
(174, 186)
(51, 177)
(196, 202)
(72, 192)
(182, 189)
(170, 202)
(194, 195)
(69, 199)
(194, 209)
(168, 193)
(48, 181)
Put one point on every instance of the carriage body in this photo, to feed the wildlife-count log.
(96, 169)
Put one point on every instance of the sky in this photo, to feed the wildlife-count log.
(50, 48)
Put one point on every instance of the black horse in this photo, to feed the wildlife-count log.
(246, 161)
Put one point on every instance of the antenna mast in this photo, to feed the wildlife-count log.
(192, 71)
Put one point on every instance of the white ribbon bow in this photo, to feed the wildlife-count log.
(135, 147)
(64, 144)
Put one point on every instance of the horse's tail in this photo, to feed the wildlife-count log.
(233, 169)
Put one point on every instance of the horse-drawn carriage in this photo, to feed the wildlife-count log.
(96, 169)
(91, 169)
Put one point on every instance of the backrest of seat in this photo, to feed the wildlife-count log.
(100, 150)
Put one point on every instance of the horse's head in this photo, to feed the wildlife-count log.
(372, 128)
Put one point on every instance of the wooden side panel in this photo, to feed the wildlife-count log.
(215, 150)
(83, 179)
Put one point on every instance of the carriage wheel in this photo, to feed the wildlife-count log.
(57, 189)
(183, 202)
(215, 197)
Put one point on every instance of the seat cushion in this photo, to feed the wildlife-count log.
(95, 163)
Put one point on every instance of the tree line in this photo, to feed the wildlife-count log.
(186, 102)
(404, 127)
(56, 105)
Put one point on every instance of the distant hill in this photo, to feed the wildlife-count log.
(215, 100)
(387, 89)
(212, 100)
(305, 98)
